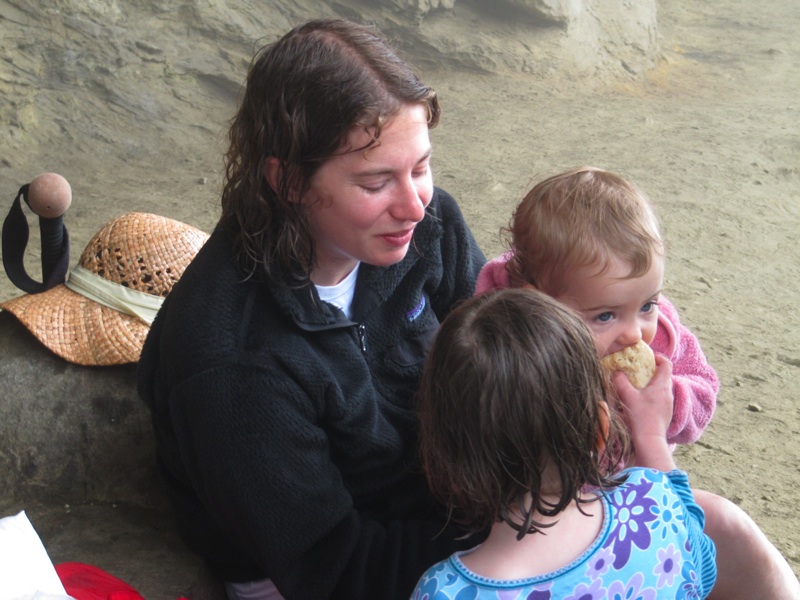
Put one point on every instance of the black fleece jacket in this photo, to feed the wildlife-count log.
(287, 433)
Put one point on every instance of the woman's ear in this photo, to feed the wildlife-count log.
(603, 425)
(273, 171)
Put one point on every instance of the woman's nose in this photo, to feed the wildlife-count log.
(411, 202)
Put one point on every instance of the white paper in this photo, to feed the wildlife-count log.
(26, 572)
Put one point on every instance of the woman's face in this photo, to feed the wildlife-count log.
(364, 205)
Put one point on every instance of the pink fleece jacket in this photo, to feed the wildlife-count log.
(694, 382)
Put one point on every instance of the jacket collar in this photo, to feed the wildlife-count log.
(374, 286)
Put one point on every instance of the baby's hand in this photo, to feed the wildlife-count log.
(648, 413)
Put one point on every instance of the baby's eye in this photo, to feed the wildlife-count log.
(649, 307)
(605, 317)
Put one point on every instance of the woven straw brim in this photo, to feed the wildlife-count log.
(78, 329)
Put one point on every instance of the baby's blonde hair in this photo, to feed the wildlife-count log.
(583, 217)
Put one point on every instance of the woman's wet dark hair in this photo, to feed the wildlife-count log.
(304, 94)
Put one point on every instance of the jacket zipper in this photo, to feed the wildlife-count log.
(362, 337)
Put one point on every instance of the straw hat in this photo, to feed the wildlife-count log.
(131, 264)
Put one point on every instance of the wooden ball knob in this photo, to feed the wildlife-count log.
(49, 195)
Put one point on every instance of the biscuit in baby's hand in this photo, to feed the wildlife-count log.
(637, 362)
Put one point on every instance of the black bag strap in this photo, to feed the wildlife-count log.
(55, 259)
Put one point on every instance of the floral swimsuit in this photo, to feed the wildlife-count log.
(651, 546)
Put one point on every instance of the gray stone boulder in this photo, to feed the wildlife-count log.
(77, 454)
(71, 433)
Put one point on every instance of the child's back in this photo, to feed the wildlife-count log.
(651, 545)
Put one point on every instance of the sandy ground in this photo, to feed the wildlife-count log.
(711, 133)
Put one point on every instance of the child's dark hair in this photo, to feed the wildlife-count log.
(511, 403)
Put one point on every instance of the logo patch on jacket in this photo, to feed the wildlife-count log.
(416, 311)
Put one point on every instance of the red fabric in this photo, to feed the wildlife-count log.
(85, 582)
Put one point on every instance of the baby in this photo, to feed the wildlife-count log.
(591, 240)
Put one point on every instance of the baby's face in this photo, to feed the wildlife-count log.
(619, 310)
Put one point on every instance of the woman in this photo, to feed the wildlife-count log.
(281, 369)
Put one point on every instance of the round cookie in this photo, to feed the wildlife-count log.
(637, 362)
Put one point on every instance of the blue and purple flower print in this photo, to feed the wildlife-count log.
(634, 510)
(644, 552)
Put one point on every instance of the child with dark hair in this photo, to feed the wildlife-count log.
(516, 435)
